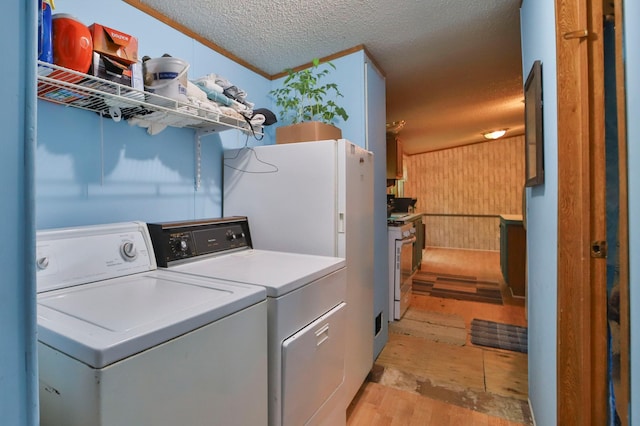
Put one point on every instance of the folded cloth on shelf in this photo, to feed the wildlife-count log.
(230, 112)
(241, 108)
(206, 105)
(195, 92)
(236, 94)
(229, 89)
(209, 81)
(225, 84)
(212, 94)
(205, 100)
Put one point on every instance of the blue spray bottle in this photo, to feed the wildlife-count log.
(45, 50)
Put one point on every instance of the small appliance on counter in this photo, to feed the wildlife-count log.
(401, 204)
(390, 205)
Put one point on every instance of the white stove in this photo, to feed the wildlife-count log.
(401, 239)
(121, 342)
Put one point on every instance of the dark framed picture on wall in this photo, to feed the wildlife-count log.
(534, 141)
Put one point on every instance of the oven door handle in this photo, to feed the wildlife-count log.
(408, 240)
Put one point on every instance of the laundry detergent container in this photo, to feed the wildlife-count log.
(166, 76)
(72, 43)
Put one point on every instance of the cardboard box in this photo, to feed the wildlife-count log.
(112, 70)
(114, 44)
(307, 132)
(108, 69)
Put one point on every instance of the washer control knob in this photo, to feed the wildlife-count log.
(128, 251)
(182, 246)
(42, 263)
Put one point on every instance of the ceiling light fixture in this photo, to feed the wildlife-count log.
(395, 126)
(495, 134)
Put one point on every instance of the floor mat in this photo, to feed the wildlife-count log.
(497, 335)
(459, 287)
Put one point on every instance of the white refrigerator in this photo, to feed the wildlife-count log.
(315, 198)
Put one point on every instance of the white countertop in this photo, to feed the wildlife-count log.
(405, 216)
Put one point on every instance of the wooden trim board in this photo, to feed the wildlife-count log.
(581, 346)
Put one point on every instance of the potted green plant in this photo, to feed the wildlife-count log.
(308, 105)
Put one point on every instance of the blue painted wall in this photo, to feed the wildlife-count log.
(87, 169)
(632, 71)
(377, 143)
(93, 170)
(542, 213)
(18, 369)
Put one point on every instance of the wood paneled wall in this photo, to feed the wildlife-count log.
(463, 190)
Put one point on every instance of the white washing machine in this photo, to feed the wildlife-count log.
(306, 310)
(121, 342)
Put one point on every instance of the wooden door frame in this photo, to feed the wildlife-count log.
(581, 328)
(623, 397)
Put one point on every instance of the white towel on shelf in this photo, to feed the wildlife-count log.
(230, 112)
(194, 91)
(209, 81)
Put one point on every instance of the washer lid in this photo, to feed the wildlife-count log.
(279, 272)
(103, 322)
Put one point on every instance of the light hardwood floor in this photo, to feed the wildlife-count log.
(419, 381)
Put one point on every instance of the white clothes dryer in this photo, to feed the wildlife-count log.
(306, 310)
(123, 343)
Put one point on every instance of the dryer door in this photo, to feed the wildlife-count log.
(313, 365)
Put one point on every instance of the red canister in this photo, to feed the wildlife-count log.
(72, 44)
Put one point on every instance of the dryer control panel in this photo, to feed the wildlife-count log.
(179, 241)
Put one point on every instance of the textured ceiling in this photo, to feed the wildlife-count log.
(453, 67)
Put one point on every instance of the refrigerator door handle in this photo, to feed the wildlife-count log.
(341, 223)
